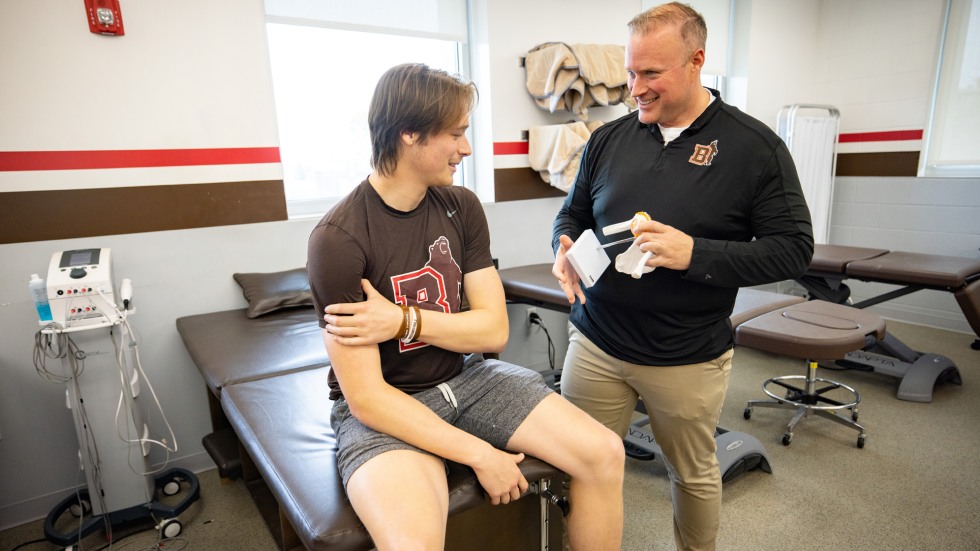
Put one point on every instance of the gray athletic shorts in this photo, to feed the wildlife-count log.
(492, 399)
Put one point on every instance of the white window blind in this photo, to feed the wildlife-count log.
(950, 147)
(442, 19)
(326, 58)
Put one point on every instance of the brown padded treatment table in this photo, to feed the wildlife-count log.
(832, 264)
(737, 452)
(773, 322)
(534, 285)
(284, 424)
(228, 348)
(919, 372)
(266, 382)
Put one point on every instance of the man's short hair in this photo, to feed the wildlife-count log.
(694, 31)
(414, 98)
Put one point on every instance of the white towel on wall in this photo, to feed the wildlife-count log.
(555, 151)
(576, 77)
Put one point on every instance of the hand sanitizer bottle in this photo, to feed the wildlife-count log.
(40, 293)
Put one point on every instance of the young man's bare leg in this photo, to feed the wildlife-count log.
(593, 456)
(402, 497)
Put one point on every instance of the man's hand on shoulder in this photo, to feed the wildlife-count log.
(373, 321)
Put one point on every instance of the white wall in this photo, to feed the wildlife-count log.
(924, 215)
(174, 273)
(772, 55)
(876, 62)
(186, 75)
(511, 224)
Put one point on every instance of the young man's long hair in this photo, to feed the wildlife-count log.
(414, 98)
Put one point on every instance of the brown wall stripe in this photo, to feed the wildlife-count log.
(516, 184)
(889, 163)
(61, 214)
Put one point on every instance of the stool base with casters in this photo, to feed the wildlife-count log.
(809, 400)
(811, 331)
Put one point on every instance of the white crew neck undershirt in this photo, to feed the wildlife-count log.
(669, 133)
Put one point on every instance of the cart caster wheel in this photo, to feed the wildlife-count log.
(171, 488)
(170, 528)
(787, 438)
(854, 416)
(861, 441)
(747, 413)
(80, 509)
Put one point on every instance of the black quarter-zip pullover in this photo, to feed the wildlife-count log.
(729, 182)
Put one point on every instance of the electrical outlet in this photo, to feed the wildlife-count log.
(527, 315)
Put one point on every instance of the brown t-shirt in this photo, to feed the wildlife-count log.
(412, 258)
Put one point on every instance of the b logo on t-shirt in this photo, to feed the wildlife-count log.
(435, 286)
(704, 154)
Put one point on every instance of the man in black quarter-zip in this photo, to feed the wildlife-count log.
(727, 211)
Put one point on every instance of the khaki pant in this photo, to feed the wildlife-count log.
(684, 403)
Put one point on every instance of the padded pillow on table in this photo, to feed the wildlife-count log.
(268, 292)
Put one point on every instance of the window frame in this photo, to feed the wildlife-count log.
(315, 207)
(945, 63)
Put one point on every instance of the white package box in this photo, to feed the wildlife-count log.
(588, 258)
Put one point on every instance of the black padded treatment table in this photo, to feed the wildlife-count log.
(918, 372)
(266, 382)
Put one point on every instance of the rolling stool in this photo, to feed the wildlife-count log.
(814, 330)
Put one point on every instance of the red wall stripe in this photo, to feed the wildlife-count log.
(890, 136)
(510, 148)
(11, 161)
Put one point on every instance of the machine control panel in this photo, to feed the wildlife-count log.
(80, 287)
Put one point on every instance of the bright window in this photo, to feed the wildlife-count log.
(323, 80)
(950, 141)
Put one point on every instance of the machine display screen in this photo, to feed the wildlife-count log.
(80, 257)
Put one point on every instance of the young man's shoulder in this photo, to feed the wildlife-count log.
(350, 207)
(357, 196)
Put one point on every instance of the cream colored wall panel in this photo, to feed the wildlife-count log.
(186, 74)
(46, 180)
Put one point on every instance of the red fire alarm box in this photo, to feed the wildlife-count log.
(104, 17)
